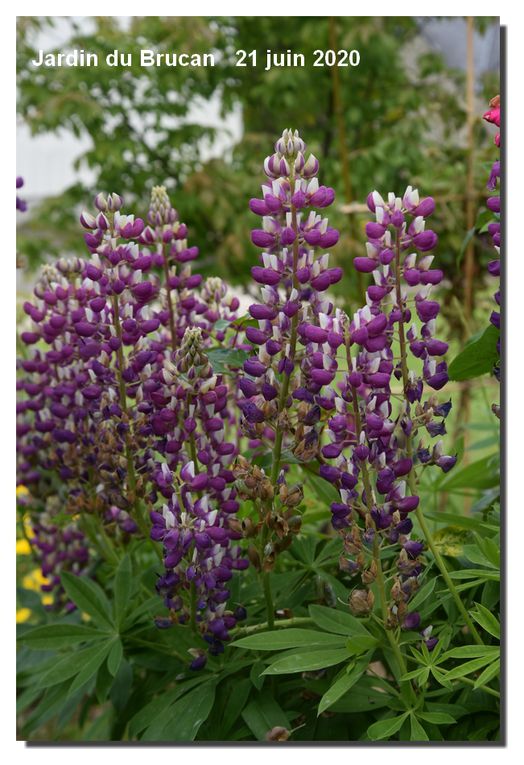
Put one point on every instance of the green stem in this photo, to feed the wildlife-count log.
(484, 688)
(412, 480)
(270, 608)
(391, 637)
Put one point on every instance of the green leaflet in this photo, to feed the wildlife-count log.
(343, 684)
(186, 715)
(307, 661)
(280, 639)
(386, 728)
(60, 636)
(89, 597)
(332, 620)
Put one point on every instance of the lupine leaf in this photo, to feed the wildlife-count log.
(417, 731)
(60, 636)
(307, 661)
(159, 704)
(470, 652)
(280, 639)
(262, 714)
(342, 685)
(187, 715)
(488, 674)
(361, 643)
(333, 620)
(437, 718)
(467, 667)
(89, 597)
(69, 665)
(487, 620)
(236, 702)
(223, 358)
(423, 594)
(90, 667)
(386, 728)
(115, 657)
(477, 358)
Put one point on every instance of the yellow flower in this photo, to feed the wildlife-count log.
(22, 491)
(22, 615)
(34, 580)
(22, 547)
(27, 525)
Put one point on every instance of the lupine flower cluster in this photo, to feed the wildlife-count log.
(294, 334)
(195, 484)
(58, 548)
(92, 405)
(493, 204)
(374, 435)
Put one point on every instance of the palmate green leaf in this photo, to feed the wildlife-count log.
(417, 732)
(488, 674)
(90, 667)
(462, 520)
(278, 640)
(50, 705)
(343, 684)
(365, 695)
(151, 711)
(420, 675)
(115, 657)
(471, 652)
(255, 674)
(222, 359)
(264, 713)
(475, 555)
(467, 668)
(89, 597)
(487, 620)
(187, 715)
(60, 636)
(323, 490)
(361, 643)
(69, 665)
(386, 728)
(307, 661)
(437, 718)
(424, 594)
(236, 702)
(477, 358)
(26, 698)
(332, 620)
(146, 608)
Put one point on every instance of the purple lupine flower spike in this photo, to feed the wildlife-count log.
(494, 228)
(367, 454)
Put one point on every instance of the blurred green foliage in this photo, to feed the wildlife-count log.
(399, 119)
